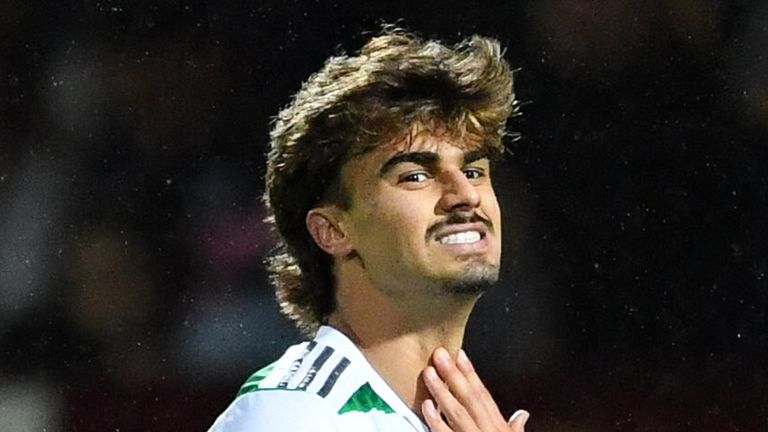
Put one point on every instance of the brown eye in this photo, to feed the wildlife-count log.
(417, 177)
(474, 173)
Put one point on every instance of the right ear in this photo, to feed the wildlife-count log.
(325, 228)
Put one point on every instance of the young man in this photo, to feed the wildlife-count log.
(379, 184)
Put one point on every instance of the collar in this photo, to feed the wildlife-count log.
(328, 335)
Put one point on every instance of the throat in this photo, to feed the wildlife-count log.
(399, 355)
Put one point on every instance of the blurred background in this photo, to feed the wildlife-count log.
(132, 141)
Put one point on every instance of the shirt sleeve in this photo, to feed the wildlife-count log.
(276, 410)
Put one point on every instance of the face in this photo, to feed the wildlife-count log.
(424, 213)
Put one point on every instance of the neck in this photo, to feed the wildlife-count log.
(398, 338)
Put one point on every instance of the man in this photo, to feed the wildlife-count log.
(379, 186)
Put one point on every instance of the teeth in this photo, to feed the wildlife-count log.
(461, 237)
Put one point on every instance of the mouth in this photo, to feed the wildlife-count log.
(466, 229)
(464, 238)
(461, 237)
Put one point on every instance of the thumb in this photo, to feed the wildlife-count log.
(517, 421)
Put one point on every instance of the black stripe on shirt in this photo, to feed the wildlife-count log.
(333, 377)
(319, 362)
(296, 365)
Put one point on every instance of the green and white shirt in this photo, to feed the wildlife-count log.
(323, 385)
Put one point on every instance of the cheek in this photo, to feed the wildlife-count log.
(399, 224)
(494, 213)
(377, 223)
(497, 216)
(490, 201)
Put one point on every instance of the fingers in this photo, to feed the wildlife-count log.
(518, 420)
(465, 366)
(457, 415)
(462, 396)
(433, 418)
(437, 424)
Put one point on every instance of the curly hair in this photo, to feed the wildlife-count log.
(353, 104)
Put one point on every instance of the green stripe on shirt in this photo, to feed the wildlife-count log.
(252, 383)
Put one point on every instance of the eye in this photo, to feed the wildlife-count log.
(474, 173)
(414, 177)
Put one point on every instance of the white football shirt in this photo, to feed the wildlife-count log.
(322, 385)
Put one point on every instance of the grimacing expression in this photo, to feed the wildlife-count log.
(424, 213)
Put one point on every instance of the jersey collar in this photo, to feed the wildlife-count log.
(330, 336)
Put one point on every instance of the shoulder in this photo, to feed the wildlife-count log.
(322, 385)
(276, 410)
(281, 396)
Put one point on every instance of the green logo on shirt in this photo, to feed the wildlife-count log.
(364, 400)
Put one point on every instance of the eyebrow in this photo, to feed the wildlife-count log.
(476, 155)
(427, 158)
(422, 158)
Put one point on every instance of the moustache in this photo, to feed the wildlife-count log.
(458, 218)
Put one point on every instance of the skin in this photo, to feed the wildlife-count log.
(403, 296)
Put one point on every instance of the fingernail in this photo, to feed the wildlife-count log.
(463, 356)
(442, 355)
(521, 415)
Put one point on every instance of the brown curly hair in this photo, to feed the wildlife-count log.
(351, 105)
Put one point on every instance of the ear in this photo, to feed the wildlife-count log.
(324, 225)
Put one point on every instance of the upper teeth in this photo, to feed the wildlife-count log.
(461, 237)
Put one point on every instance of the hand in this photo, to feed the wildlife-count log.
(463, 399)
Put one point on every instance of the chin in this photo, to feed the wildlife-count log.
(473, 279)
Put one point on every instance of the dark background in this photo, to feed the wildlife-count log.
(132, 140)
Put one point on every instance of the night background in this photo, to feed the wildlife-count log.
(132, 139)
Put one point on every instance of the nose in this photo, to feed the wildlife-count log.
(458, 192)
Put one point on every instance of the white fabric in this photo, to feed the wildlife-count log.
(294, 395)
